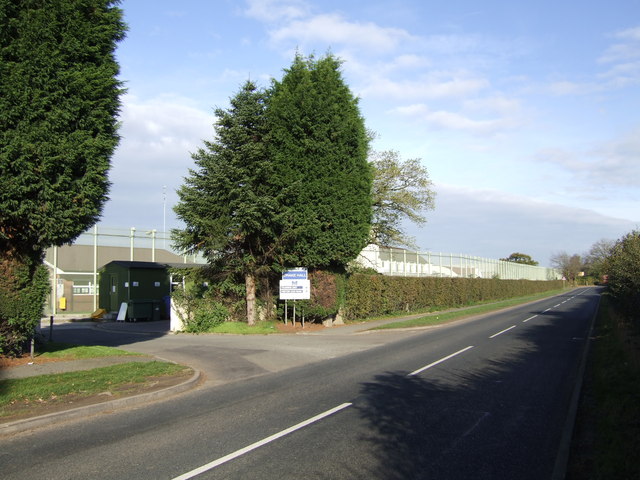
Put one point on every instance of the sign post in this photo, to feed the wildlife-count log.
(294, 286)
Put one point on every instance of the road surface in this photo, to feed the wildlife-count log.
(482, 399)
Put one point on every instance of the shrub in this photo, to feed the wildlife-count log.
(207, 315)
(375, 295)
(327, 296)
(623, 268)
(23, 288)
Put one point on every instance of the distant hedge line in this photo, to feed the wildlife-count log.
(375, 295)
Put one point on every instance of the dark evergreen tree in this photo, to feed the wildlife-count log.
(59, 99)
(286, 181)
(227, 204)
(318, 145)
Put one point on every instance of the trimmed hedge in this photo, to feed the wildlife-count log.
(375, 295)
(24, 284)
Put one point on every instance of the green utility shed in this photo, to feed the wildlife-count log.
(144, 286)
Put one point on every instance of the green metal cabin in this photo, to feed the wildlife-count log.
(144, 286)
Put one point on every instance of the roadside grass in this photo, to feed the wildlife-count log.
(51, 388)
(67, 351)
(241, 328)
(607, 434)
(439, 318)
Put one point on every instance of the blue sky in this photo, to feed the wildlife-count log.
(524, 113)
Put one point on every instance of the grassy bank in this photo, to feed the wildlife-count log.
(65, 351)
(241, 328)
(21, 394)
(607, 435)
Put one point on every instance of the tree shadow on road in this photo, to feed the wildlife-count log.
(492, 419)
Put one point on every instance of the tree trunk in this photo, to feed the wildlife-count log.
(250, 284)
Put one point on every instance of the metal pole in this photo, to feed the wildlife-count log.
(95, 268)
(164, 217)
(390, 261)
(54, 300)
(404, 262)
(132, 235)
(153, 245)
(451, 264)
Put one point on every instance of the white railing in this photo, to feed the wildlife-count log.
(401, 262)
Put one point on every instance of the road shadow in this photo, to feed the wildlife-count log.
(493, 418)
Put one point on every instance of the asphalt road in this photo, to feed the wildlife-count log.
(482, 399)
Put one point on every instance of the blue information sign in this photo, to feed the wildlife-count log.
(295, 274)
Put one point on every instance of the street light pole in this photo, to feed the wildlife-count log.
(133, 232)
(164, 217)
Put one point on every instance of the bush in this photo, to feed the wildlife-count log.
(327, 296)
(24, 284)
(376, 295)
(207, 315)
(623, 268)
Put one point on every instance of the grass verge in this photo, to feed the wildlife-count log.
(241, 328)
(53, 388)
(439, 318)
(607, 433)
(65, 351)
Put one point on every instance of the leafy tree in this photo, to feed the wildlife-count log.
(522, 258)
(59, 98)
(623, 269)
(318, 145)
(401, 190)
(595, 260)
(569, 265)
(227, 204)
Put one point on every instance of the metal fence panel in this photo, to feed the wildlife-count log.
(401, 262)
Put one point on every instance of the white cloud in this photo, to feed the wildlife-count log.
(333, 30)
(494, 224)
(617, 161)
(442, 119)
(566, 87)
(623, 68)
(160, 130)
(495, 103)
(455, 121)
(430, 86)
(276, 10)
(158, 136)
(610, 164)
(628, 48)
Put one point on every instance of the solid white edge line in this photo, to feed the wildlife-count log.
(439, 361)
(253, 446)
(501, 332)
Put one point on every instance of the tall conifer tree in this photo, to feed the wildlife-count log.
(318, 145)
(226, 203)
(59, 99)
(286, 181)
